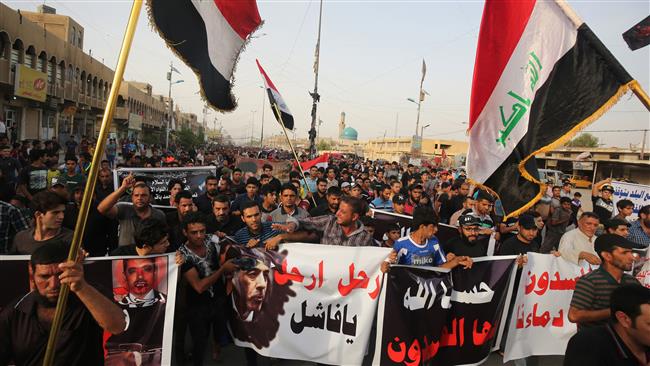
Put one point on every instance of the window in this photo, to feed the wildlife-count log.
(566, 155)
(60, 71)
(17, 52)
(74, 35)
(51, 74)
(40, 62)
(614, 156)
(30, 56)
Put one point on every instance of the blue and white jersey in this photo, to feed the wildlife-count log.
(413, 254)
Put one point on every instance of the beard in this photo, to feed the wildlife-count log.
(213, 192)
(44, 301)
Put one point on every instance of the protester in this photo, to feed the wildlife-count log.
(184, 205)
(252, 186)
(590, 302)
(623, 340)
(49, 211)
(524, 241)
(467, 243)
(557, 225)
(617, 226)
(287, 207)
(221, 222)
(255, 233)
(625, 209)
(578, 244)
(150, 238)
(130, 214)
(89, 313)
(33, 178)
(399, 202)
(639, 232)
(174, 187)
(392, 234)
(12, 221)
(331, 206)
(603, 206)
(204, 201)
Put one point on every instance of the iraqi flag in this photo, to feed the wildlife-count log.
(540, 76)
(320, 162)
(276, 100)
(208, 36)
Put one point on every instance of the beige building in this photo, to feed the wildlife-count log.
(398, 148)
(599, 163)
(139, 112)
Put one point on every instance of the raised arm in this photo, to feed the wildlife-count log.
(201, 285)
(596, 187)
(107, 206)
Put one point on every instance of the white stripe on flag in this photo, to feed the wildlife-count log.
(549, 34)
(224, 43)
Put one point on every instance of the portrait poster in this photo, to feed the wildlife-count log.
(140, 286)
(307, 301)
(158, 179)
(433, 316)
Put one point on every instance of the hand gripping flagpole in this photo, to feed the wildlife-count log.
(92, 176)
(302, 172)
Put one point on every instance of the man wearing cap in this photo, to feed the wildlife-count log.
(398, 204)
(603, 204)
(590, 302)
(467, 243)
(524, 241)
(345, 188)
(617, 226)
(415, 193)
(382, 202)
(560, 219)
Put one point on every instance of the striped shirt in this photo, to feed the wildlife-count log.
(244, 235)
(11, 222)
(593, 291)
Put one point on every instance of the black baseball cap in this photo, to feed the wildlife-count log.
(607, 242)
(415, 186)
(399, 199)
(527, 222)
(469, 219)
(615, 222)
(607, 187)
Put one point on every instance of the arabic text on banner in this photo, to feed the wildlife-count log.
(637, 193)
(158, 179)
(307, 302)
(423, 319)
(540, 317)
(148, 336)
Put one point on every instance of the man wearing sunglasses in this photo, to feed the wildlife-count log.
(467, 244)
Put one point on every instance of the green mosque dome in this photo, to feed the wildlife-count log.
(349, 133)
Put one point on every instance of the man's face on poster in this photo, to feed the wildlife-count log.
(140, 276)
(253, 284)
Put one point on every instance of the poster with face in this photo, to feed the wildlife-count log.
(307, 301)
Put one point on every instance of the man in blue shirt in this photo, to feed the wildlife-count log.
(421, 247)
(383, 202)
(256, 232)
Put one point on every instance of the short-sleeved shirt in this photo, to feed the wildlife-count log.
(593, 291)
(23, 338)
(559, 215)
(603, 208)
(205, 266)
(600, 346)
(24, 242)
(72, 182)
(35, 179)
(414, 254)
(244, 235)
(514, 246)
(379, 204)
(128, 219)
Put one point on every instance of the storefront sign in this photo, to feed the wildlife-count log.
(30, 84)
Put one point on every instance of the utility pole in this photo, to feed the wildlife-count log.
(171, 108)
(645, 132)
(315, 96)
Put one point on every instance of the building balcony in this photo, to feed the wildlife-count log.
(121, 113)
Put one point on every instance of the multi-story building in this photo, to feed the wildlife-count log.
(48, 85)
(139, 112)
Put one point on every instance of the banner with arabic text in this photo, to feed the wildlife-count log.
(307, 301)
(383, 219)
(158, 179)
(432, 316)
(143, 287)
(281, 169)
(637, 193)
(540, 317)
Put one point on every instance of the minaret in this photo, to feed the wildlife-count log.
(341, 125)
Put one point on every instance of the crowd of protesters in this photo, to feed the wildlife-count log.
(42, 185)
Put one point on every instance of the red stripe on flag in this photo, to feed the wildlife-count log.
(501, 28)
(269, 83)
(242, 15)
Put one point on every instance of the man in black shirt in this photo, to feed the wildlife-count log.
(33, 178)
(625, 340)
(466, 244)
(204, 201)
(222, 222)
(89, 313)
(150, 238)
(524, 241)
(273, 181)
(332, 204)
(320, 196)
(184, 205)
(603, 206)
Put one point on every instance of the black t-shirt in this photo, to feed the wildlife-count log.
(34, 178)
(460, 247)
(23, 340)
(514, 246)
(124, 250)
(321, 210)
(599, 346)
(510, 222)
(229, 227)
(603, 208)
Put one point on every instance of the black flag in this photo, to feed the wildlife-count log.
(639, 35)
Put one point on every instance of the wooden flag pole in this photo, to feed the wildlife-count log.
(92, 176)
(641, 94)
(302, 173)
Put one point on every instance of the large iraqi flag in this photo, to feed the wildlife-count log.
(208, 36)
(540, 76)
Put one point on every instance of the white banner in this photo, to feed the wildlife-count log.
(309, 302)
(540, 323)
(637, 193)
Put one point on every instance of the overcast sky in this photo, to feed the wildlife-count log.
(371, 54)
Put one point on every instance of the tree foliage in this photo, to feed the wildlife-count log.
(584, 140)
(188, 139)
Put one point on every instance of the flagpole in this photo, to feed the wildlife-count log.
(302, 173)
(315, 96)
(92, 176)
(575, 19)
